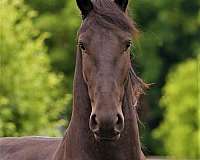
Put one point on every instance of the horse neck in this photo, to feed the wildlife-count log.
(79, 143)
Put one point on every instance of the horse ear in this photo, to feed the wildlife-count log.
(85, 7)
(122, 4)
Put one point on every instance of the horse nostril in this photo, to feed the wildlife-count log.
(119, 123)
(93, 122)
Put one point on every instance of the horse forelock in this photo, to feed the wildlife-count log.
(107, 14)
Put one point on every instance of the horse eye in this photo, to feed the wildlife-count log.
(128, 45)
(82, 47)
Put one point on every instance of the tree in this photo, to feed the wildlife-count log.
(61, 20)
(31, 95)
(179, 130)
(169, 35)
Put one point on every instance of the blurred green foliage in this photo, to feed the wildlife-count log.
(61, 19)
(180, 128)
(169, 35)
(31, 96)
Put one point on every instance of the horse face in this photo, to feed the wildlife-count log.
(105, 67)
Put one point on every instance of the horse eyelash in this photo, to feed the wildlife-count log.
(128, 45)
(81, 46)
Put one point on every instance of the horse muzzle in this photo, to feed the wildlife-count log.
(106, 127)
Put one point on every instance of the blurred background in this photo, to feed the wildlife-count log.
(37, 57)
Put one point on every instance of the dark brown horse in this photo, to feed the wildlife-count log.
(106, 89)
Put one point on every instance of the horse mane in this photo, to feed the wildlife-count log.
(137, 84)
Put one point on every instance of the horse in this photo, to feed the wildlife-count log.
(104, 123)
